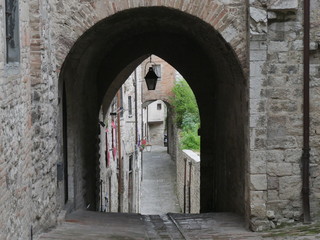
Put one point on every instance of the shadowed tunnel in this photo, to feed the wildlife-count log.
(103, 58)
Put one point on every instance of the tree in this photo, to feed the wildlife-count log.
(187, 115)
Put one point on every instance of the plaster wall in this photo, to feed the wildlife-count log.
(157, 122)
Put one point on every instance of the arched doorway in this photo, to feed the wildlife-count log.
(104, 56)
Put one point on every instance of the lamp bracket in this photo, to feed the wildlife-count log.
(150, 62)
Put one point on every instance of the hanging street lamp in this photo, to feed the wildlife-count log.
(151, 79)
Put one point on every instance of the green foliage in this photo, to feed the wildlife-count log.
(187, 115)
(185, 105)
(190, 140)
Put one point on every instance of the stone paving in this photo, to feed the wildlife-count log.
(228, 226)
(88, 225)
(158, 199)
(158, 194)
(218, 226)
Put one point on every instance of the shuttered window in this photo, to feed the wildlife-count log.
(12, 31)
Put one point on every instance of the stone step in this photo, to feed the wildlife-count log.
(89, 225)
(162, 227)
(86, 225)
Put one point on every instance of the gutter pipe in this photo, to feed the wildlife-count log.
(120, 176)
(306, 115)
(136, 107)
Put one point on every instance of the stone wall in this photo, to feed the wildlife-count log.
(188, 182)
(31, 104)
(28, 145)
(110, 149)
(108, 167)
(31, 120)
(276, 85)
(173, 135)
(156, 122)
(315, 108)
(156, 133)
(164, 84)
(83, 69)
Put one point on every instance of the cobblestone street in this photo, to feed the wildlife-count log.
(159, 183)
(218, 226)
(158, 199)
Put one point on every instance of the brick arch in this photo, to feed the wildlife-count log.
(228, 19)
(97, 66)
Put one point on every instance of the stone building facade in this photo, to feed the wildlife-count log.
(276, 111)
(243, 60)
(156, 122)
(120, 156)
(168, 75)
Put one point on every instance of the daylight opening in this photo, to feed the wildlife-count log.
(149, 146)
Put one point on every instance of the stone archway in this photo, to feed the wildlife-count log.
(162, 127)
(101, 60)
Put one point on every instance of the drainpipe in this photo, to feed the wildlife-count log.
(142, 129)
(189, 187)
(136, 105)
(185, 187)
(101, 206)
(306, 114)
(120, 185)
(147, 128)
(136, 149)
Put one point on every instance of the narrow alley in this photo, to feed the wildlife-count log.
(159, 183)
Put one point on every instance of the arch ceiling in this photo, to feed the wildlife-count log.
(105, 55)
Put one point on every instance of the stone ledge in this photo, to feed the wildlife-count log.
(192, 155)
(280, 5)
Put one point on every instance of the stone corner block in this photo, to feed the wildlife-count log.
(259, 225)
(258, 182)
(258, 163)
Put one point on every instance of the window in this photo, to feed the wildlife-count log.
(159, 106)
(130, 162)
(129, 106)
(12, 31)
(157, 70)
(113, 140)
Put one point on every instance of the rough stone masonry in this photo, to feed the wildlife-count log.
(266, 37)
(276, 83)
